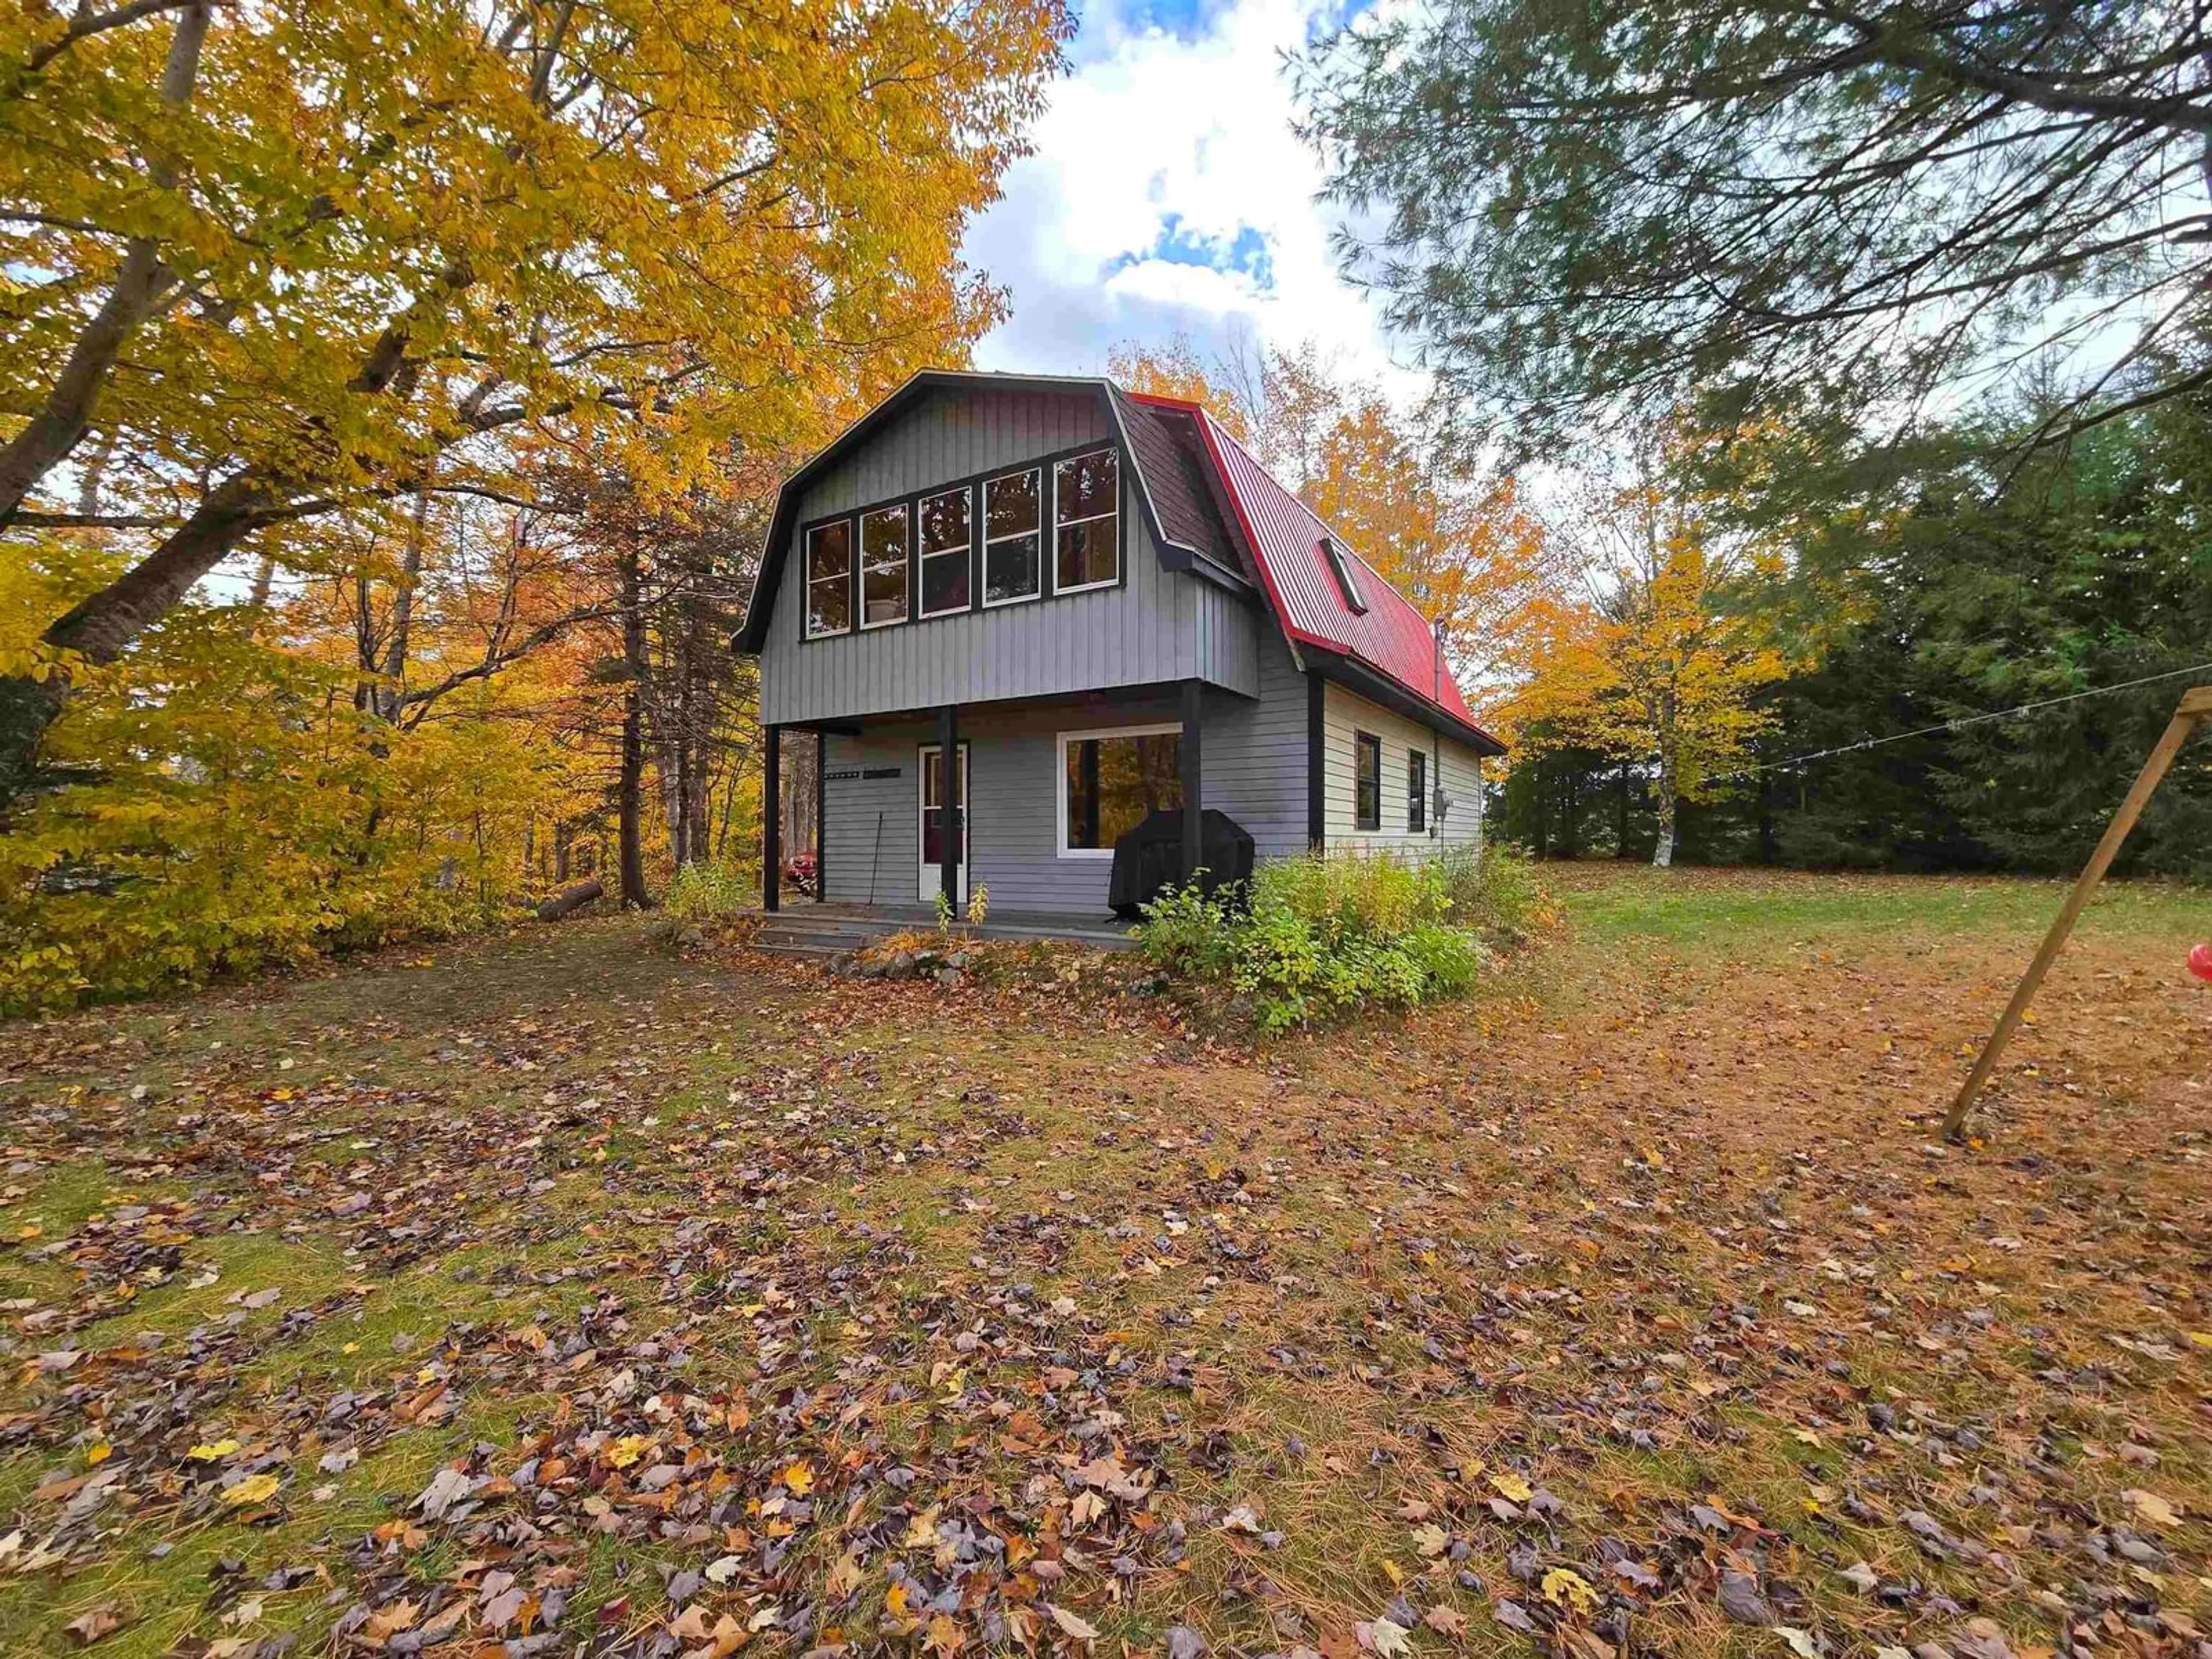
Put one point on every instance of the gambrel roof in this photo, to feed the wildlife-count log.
(1216, 512)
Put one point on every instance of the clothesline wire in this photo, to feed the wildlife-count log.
(1963, 722)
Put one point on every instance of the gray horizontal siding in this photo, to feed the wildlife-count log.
(1253, 756)
(1459, 767)
(1159, 626)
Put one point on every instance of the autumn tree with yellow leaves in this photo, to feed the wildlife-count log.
(1653, 654)
(292, 258)
(314, 317)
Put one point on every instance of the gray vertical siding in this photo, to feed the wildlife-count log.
(1160, 626)
(1255, 753)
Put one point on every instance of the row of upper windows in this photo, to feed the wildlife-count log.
(935, 541)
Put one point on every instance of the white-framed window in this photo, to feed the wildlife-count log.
(1013, 537)
(946, 533)
(1086, 521)
(884, 567)
(1110, 779)
(1417, 792)
(829, 579)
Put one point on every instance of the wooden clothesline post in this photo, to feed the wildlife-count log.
(2196, 705)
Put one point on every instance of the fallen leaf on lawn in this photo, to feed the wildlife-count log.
(88, 1628)
(1444, 1620)
(2153, 1507)
(799, 1477)
(448, 1487)
(391, 1619)
(1070, 1625)
(627, 1450)
(1800, 1641)
(1431, 1540)
(1511, 1485)
(254, 1489)
(1564, 1587)
(210, 1451)
(1390, 1638)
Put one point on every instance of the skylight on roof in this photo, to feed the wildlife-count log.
(1340, 562)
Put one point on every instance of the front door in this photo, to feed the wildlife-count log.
(933, 822)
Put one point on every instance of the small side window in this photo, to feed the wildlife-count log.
(1367, 783)
(1417, 792)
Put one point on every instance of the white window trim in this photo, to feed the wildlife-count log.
(966, 550)
(806, 553)
(1059, 523)
(1060, 780)
(905, 510)
(1043, 552)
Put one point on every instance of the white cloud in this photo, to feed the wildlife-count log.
(1168, 192)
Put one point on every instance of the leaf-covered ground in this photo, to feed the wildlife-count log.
(556, 1294)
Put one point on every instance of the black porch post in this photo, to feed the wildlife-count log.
(951, 831)
(1194, 804)
(772, 818)
(821, 818)
(1316, 761)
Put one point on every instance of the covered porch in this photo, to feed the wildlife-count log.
(1039, 791)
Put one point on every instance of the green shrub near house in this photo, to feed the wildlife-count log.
(1319, 937)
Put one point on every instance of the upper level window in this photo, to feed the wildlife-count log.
(1340, 562)
(1417, 792)
(1367, 782)
(1086, 517)
(829, 578)
(945, 534)
(882, 567)
(1012, 532)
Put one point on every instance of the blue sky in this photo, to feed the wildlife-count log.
(1168, 194)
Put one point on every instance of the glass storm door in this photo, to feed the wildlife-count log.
(932, 822)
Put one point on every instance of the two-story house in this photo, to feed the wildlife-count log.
(1101, 605)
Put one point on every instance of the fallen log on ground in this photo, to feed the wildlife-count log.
(575, 899)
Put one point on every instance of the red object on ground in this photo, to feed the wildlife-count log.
(2200, 962)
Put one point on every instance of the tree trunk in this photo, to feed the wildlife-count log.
(1662, 855)
(394, 666)
(630, 792)
(61, 422)
(1621, 830)
(1543, 799)
(572, 900)
(1770, 845)
(102, 623)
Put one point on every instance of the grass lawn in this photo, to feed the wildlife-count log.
(558, 1291)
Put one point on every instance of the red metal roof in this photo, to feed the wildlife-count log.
(1390, 637)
